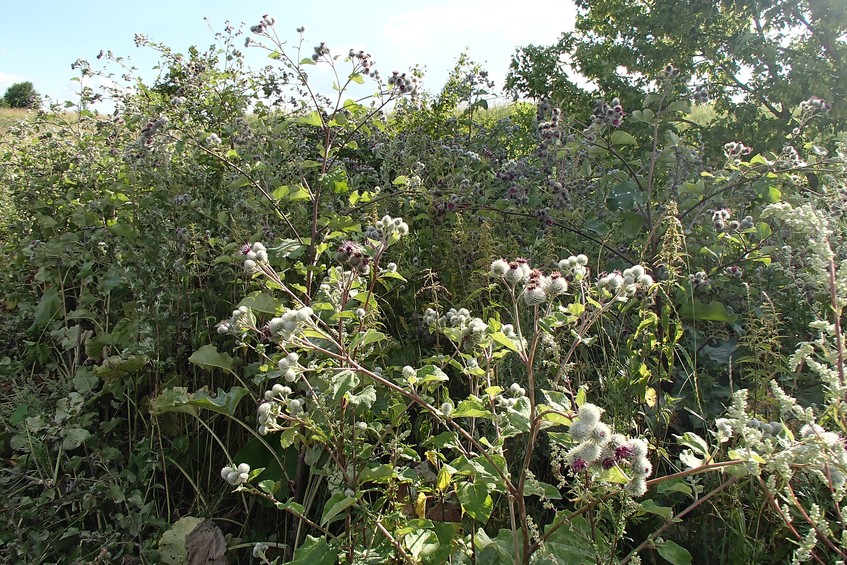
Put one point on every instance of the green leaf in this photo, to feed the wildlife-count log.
(620, 137)
(420, 542)
(674, 553)
(570, 544)
(624, 196)
(314, 551)
(472, 408)
(538, 488)
(337, 504)
(714, 311)
(208, 357)
(476, 500)
(689, 459)
(665, 512)
(74, 437)
(47, 308)
(178, 399)
(342, 383)
(364, 399)
(311, 119)
(368, 337)
(258, 301)
(116, 367)
(173, 549)
(695, 442)
(500, 337)
(379, 474)
(675, 485)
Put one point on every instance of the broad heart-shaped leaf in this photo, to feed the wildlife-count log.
(570, 544)
(337, 504)
(620, 137)
(500, 550)
(421, 541)
(74, 437)
(47, 308)
(314, 551)
(311, 119)
(674, 553)
(476, 500)
(209, 357)
(365, 398)
(537, 488)
(665, 512)
(472, 408)
(366, 338)
(173, 549)
(342, 383)
(624, 196)
(714, 311)
(501, 338)
(178, 399)
(258, 301)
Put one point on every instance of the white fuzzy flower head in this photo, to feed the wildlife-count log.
(499, 268)
(515, 274)
(636, 487)
(586, 451)
(555, 284)
(589, 414)
(600, 434)
(534, 295)
(580, 431)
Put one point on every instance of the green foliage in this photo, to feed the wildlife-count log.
(22, 95)
(217, 277)
(759, 61)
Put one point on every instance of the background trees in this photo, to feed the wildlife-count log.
(757, 59)
(22, 95)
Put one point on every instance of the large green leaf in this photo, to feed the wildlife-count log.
(337, 504)
(258, 301)
(476, 500)
(209, 357)
(173, 549)
(47, 308)
(472, 408)
(674, 553)
(714, 311)
(315, 551)
(569, 545)
(178, 399)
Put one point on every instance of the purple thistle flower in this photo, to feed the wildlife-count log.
(623, 452)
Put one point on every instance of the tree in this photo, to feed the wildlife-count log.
(22, 95)
(759, 59)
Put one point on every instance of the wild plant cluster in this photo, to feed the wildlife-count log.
(248, 318)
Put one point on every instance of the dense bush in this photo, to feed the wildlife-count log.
(386, 326)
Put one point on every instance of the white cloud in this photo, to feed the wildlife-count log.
(7, 80)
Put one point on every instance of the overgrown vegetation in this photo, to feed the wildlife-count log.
(245, 317)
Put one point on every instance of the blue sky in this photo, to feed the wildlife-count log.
(40, 40)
